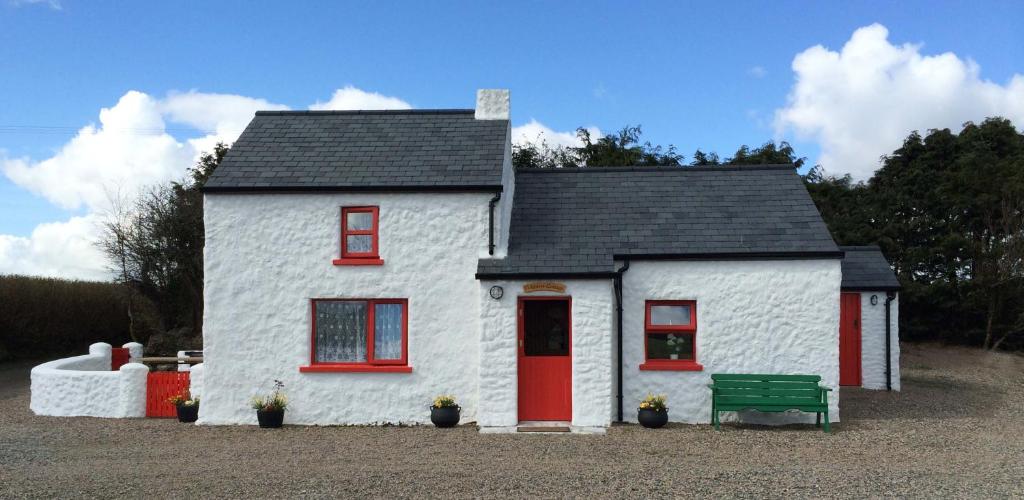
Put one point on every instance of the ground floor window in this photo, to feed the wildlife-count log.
(670, 334)
(359, 332)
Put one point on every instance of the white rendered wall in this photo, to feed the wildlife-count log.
(85, 386)
(778, 316)
(266, 255)
(592, 332)
(872, 338)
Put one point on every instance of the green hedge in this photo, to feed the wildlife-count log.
(48, 317)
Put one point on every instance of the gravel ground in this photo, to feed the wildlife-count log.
(957, 430)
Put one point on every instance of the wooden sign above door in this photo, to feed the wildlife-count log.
(544, 286)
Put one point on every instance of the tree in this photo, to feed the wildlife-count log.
(155, 245)
(613, 150)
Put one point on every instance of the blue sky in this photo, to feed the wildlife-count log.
(693, 75)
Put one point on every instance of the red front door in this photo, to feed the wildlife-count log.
(849, 339)
(545, 358)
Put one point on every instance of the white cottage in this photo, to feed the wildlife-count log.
(374, 259)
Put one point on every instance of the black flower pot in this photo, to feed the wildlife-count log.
(445, 417)
(652, 419)
(188, 413)
(270, 419)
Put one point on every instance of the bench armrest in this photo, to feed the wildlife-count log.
(829, 389)
(711, 386)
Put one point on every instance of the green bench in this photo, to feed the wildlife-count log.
(768, 393)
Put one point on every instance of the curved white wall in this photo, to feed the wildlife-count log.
(872, 338)
(85, 386)
(777, 316)
(592, 330)
(266, 255)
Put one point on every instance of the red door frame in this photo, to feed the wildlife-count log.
(850, 339)
(559, 414)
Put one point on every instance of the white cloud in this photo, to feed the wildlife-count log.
(61, 249)
(757, 72)
(128, 150)
(351, 97)
(861, 102)
(536, 132)
(52, 4)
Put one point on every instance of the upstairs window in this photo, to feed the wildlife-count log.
(359, 335)
(670, 335)
(359, 236)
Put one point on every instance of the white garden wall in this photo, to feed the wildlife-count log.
(266, 255)
(592, 332)
(778, 316)
(873, 341)
(85, 386)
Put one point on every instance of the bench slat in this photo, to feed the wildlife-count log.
(768, 401)
(747, 391)
(765, 377)
(750, 384)
(773, 409)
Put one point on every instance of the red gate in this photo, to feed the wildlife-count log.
(160, 386)
(119, 356)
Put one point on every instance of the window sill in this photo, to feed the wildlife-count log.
(355, 369)
(358, 262)
(672, 366)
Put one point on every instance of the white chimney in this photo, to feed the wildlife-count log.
(492, 104)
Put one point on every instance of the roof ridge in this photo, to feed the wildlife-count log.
(859, 248)
(729, 167)
(315, 112)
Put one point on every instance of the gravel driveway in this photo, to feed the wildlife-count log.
(956, 430)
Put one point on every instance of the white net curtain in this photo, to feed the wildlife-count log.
(341, 331)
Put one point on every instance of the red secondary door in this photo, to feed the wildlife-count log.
(545, 358)
(849, 339)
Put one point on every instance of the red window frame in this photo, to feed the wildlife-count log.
(649, 328)
(371, 364)
(360, 258)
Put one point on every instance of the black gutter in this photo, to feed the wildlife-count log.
(893, 288)
(510, 276)
(469, 188)
(490, 229)
(796, 255)
(889, 297)
(618, 314)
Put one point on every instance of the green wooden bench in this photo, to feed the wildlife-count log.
(768, 393)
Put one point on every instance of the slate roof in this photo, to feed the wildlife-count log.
(576, 221)
(408, 149)
(865, 268)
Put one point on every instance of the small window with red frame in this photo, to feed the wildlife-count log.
(359, 236)
(670, 331)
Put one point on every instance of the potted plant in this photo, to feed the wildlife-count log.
(270, 408)
(186, 405)
(444, 412)
(675, 344)
(652, 412)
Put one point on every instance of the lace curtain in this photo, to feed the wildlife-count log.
(341, 335)
(341, 331)
(387, 331)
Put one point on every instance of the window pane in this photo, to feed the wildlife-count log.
(670, 346)
(359, 244)
(341, 331)
(387, 331)
(670, 315)
(359, 220)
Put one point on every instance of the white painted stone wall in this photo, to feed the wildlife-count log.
(85, 386)
(592, 331)
(752, 317)
(872, 357)
(195, 380)
(266, 255)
